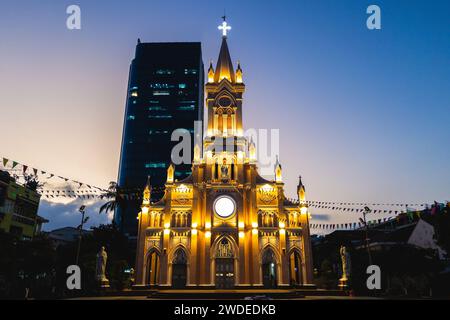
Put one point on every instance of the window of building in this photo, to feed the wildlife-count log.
(131, 117)
(188, 101)
(157, 108)
(182, 86)
(161, 86)
(190, 71)
(164, 71)
(16, 231)
(186, 108)
(161, 93)
(160, 116)
(134, 94)
(155, 165)
(154, 132)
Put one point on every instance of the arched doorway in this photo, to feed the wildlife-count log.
(224, 265)
(295, 268)
(179, 269)
(153, 268)
(269, 269)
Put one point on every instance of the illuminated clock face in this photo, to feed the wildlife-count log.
(224, 206)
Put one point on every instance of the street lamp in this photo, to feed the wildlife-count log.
(80, 229)
(366, 211)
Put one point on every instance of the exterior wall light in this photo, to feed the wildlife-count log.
(241, 234)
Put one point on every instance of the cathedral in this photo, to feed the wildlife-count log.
(224, 226)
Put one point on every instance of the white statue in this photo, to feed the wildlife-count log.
(102, 257)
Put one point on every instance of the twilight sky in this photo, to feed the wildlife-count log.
(363, 115)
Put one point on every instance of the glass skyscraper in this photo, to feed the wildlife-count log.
(165, 92)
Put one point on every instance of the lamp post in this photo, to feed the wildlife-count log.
(80, 227)
(366, 211)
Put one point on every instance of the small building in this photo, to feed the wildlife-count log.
(19, 205)
(66, 235)
(407, 253)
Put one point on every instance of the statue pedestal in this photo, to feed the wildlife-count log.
(104, 283)
(343, 283)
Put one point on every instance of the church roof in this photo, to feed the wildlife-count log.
(261, 180)
(224, 67)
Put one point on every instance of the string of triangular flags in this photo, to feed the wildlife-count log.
(409, 215)
(346, 209)
(11, 165)
(315, 202)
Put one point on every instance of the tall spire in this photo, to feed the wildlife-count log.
(224, 67)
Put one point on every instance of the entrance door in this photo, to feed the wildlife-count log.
(295, 267)
(153, 269)
(179, 269)
(224, 265)
(224, 273)
(269, 269)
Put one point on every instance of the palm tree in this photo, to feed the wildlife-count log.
(115, 199)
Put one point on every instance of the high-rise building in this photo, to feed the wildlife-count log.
(165, 93)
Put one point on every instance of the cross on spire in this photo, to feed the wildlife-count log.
(224, 27)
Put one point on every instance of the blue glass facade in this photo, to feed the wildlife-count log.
(165, 92)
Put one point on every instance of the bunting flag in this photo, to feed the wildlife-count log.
(47, 175)
(337, 203)
(402, 218)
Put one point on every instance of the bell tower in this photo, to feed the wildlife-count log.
(224, 92)
(224, 145)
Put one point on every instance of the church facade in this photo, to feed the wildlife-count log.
(224, 226)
